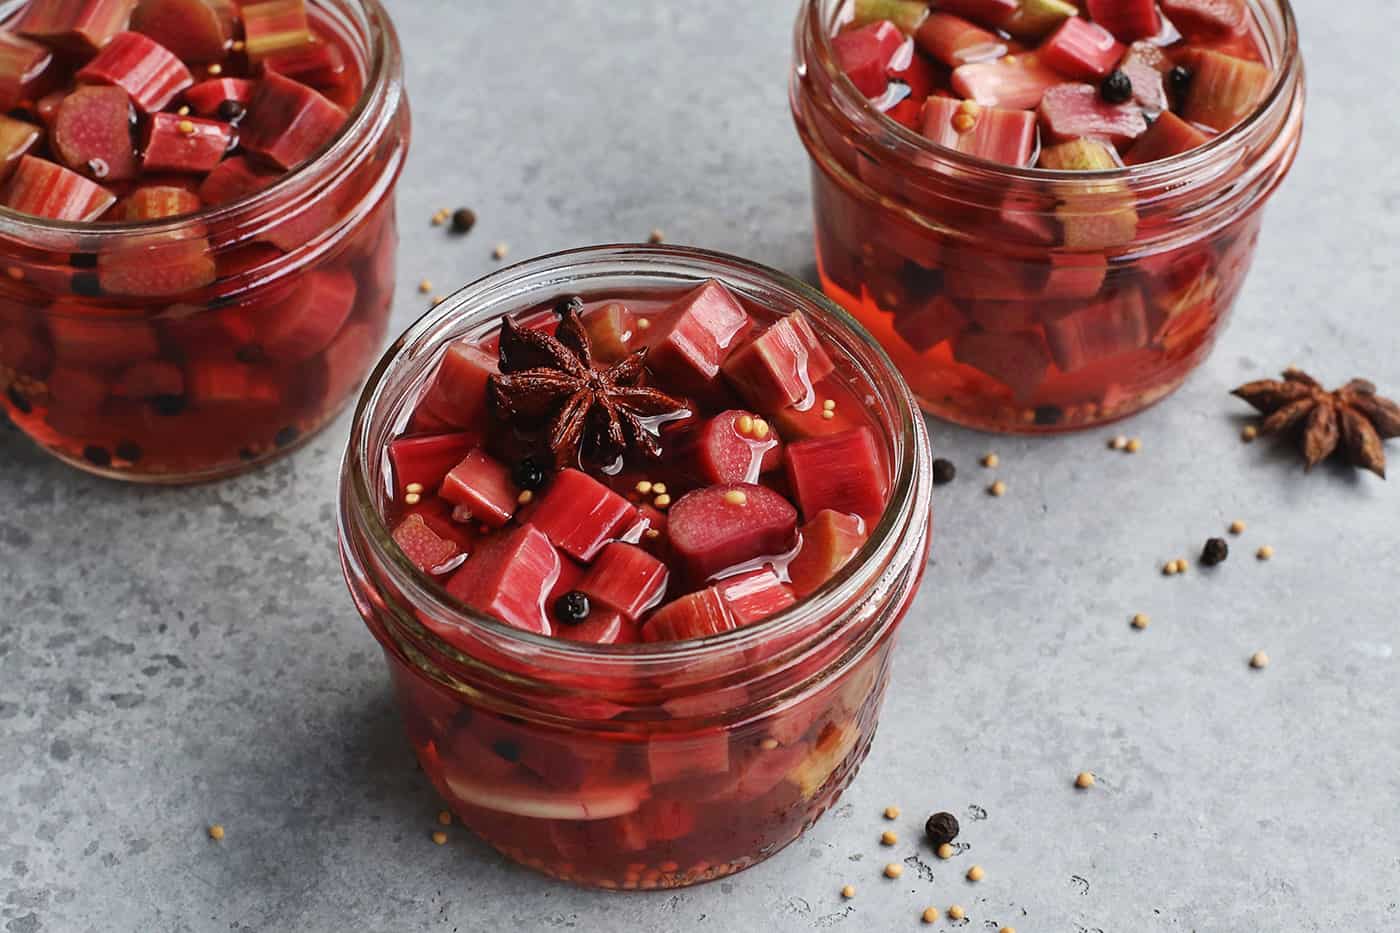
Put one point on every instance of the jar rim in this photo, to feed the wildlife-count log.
(381, 72)
(892, 541)
(857, 107)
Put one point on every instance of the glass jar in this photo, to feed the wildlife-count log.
(142, 351)
(1029, 300)
(636, 766)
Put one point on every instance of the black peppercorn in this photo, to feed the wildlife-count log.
(528, 474)
(286, 437)
(573, 303)
(98, 456)
(944, 472)
(1049, 414)
(1215, 552)
(1117, 88)
(86, 284)
(572, 608)
(942, 829)
(463, 219)
(1180, 79)
(129, 451)
(231, 111)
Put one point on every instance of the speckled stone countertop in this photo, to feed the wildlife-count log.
(174, 658)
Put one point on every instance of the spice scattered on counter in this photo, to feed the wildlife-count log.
(1134, 446)
(1216, 551)
(892, 813)
(1141, 621)
(956, 913)
(930, 915)
(1084, 781)
(991, 461)
(975, 874)
(657, 237)
(1354, 421)
(1259, 660)
(216, 832)
(848, 892)
(463, 220)
(894, 870)
(997, 489)
(888, 838)
(944, 472)
(445, 817)
(942, 829)
(1118, 443)
(501, 251)
(440, 837)
(946, 851)
(1237, 527)
(1266, 552)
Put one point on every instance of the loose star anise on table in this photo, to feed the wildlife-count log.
(598, 410)
(1353, 420)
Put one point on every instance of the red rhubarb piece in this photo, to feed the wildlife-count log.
(429, 552)
(424, 461)
(83, 336)
(735, 447)
(674, 758)
(195, 30)
(991, 133)
(223, 382)
(704, 326)
(276, 26)
(306, 322)
(92, 133)
(601, 628)
(865, 55)
(156, 202)
(1224, 89)
(348, 359)
(509, 579)
(720, 527)
(954, 41)
(23, 65)
(288, 122)
(76, 391)
(844, 472)
(1019, 361)
(1168, 136)
(319, 64)
(157, 266)
(1015, 83)
(1070, 111)
(753, 597)
(987, 12)
(1207, 17)
(580, 514)
(457, 395)
(151, 379)
(781, 366)
(44, 189)
(1081, 50)
(1129, 20)
(695, 615)
(207, 97)
(922, 77)
(611, 330)
(829, 541)
(81, 26)
(17, 138)
(1099, 330)
(1076, 276)
(625, 579)
(1146, 65)
(848, 413)
(1004, 317)
(185, 144)
(234, 179)
(929, 323)
(149, 73)
(481, 487)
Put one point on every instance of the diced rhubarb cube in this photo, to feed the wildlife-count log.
(482, 489)
(74, 390)
(1092, 216)
(207, 97)
(1076, 276)
(319, 64)
(1079, 155)
(22, 66)
(509, 578)
(921, 76)
(195, 30)
(829, 541)
(234, 179)
(906, 14)
(306, 322)
(1099, 330)
(832, 747)
(930, 323)
(288, 122)
(149, 73)
(47, 190)
(457, 395)
(156, 202)
(151, 379)
(991, 133)
(601, 628)
(695, 615)
(223, 382)
(1168, 136)
(1020, 361)
(864, 54)
(611, 329)
(83, 336)
(1081, 50)
(1069, 111)
(717, 528)
(781, 366)
(81, 26)
(160, 265)
(1004, 317)
(705, 324)
(844, 472)
(1224, 89)
(1146, 65)
(92, 133)
(734, 447)
(348, 359)
(423, 462)
(1196, 18)
(185, 144)
(753, 597)
(987, 12)
(1015, 83)
(17, 138)
(276, 26)
(429, 552)
(1129, 20)
(580, 515)
(849, 412)
(954, 41)
(625, 579)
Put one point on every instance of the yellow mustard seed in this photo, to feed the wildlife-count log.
(1119, 443)
(891, 813)
(975, 874)
(659, 488)
(736, 497)
(956, 912)
(183, 111)
(501, 251)
(745, 425)
(888, 838)
(1007, 930)
(1237, 527)
(828, 414)
(1134, 446)
(425, 286)
(1141, 620)
(239, 45)
(526, 497)
(1084, 781)
(991, 461)
(643, 323)
(848, 891)
(216, 832)
(894, 870)
(964, 122)
(440, 837)
(997, 489)
(656, 237)
(412, 499)
(930, 915)
(1249, 434)
(186, 127)
(829, 405)
(1266, 552)
(662, 502)
(1259, 661)
(769, 744)
(945, 851)
(414, 488)
(644, 487)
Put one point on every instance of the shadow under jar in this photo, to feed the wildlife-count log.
(651, 765)
(1027, 299)
(196, 347)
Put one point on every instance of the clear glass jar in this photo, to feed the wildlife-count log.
(1028, 300)
(636, 766)
(135, 351)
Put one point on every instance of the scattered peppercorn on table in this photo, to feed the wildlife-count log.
(196, 732)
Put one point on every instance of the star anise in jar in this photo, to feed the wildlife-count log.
(1353, 420)
(600, 411)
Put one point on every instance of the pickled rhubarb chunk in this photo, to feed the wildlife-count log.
(1033, 19)
(721, 527)
(17, 138)
(149, 73)
(1016, 83)
(829, 541)
(319, 64)
(1168, 136)
(865, 55)
(47, 190)
(275, 26)
(457, 395)
(81, 26)
(991, 133)
(1069, 111)
(185, 144)
(195, 30)
(1224, 89)
(1020, 361)
(423, 462)
(92, 133)
(1147, 66)
(611, 329)
(625, 579)
(429, 552)
(509, 578)
(926, 325)
(288, 122)
(160, 265)
(986, 12)
(207, 97)
(221, 382)
(705, 324)
(305, 323)
(954, 41)
(151, 379)
(1197, 18)
(233, 180)
(781, 366)
(736, 447)
(1098, 331)
(753, 597)
(82, 336)
(481, 487)
(1081, 50)
(695, 615)
(580, 515)
(22, 65)
(1129, 20)
(844, 472)
(156, 202)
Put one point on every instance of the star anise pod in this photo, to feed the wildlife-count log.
(554, 378)
(1353, 420)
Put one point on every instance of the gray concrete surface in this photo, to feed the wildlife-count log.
(173, 658)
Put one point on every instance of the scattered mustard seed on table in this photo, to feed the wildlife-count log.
(894, 870)
(1237, 527)
(440, 837)
(501, 251)
(1141, 621)
(991, 461)
(997, 489)
(1118, 443)
(1134, 446)
(891, 813)
(956, 912)
(1259, 661)
(1084, 781)
(445, 817)
(888, 838)
(1007, 930)
(848, 892)
(945, 851)
(425, 286)
(975, 874)
(463, 220)
(657, 237)
(1266, 552)
(216, 832)
(930, 915)
(1249, 434)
